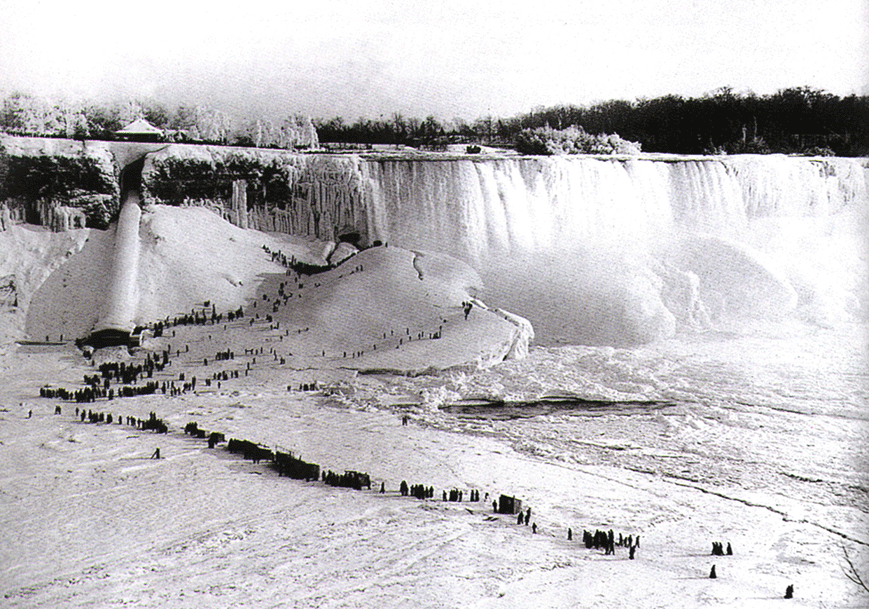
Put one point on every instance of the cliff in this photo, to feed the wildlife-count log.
(319, 196)
(61, 184)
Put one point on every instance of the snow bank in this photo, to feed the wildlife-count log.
(384, 308)
(393, 310)
(29, 255)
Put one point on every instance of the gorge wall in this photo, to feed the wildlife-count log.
(61, 184)
(271, 190)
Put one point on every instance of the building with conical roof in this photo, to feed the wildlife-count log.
(140, 130)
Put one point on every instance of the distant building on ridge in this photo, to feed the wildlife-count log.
(140, 130)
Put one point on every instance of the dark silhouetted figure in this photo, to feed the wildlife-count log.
(495, 506)
(29, 413)
(712, 574)
(631, 551)
(382, 488)
(569, 535)
(789, 591)
(729, 549)
(519, 519)
(156, 454)
(534, 527)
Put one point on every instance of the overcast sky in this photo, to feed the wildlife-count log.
(451, 59)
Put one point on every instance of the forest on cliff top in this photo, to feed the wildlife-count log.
(794, 121)
(799, 120)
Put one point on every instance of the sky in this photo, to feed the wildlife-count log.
(449, 59)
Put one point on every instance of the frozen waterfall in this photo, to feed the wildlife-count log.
(624, 251)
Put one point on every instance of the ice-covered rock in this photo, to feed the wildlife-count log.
(735, 278)
(299, 194)
(342, 252)
(61, 184)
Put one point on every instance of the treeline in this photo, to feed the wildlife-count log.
(573, 140)
(796, 120)
(28, 115)
(397, 130)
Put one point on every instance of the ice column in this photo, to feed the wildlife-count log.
(122, 295)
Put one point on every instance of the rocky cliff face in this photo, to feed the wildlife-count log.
(315, 195)
(67, 184)
(62, 184)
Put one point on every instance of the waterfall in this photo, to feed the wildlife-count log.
(595, 250)
(615, 251)
(476, 209)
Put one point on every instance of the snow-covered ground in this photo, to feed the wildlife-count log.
(754, 441)
(89, 520)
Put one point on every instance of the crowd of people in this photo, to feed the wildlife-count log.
(606, 540)
(286, 464)
(130, 373)
(718, 549)
(91, 393)
(293, 265)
